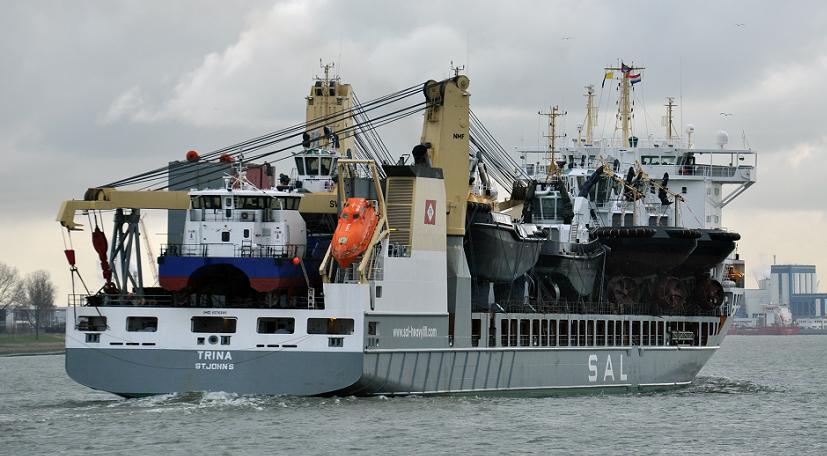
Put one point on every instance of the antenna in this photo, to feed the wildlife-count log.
(456, 69)
(340, 52)
(326, 67)
(467, 48)
(680, 88)
(552, 136)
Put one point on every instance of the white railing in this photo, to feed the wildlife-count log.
(232, 250)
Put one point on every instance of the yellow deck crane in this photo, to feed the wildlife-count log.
(126, 237)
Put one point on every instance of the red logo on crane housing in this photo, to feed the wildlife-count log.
(430, 212)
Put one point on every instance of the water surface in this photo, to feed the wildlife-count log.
(757, 395)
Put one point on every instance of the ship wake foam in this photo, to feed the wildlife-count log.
(724, 385)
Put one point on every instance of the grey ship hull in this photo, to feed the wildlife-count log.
(548, 370)
(401, 371)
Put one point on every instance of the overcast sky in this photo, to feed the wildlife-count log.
(97, 90)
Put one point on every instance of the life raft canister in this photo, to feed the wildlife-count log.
(356, 224)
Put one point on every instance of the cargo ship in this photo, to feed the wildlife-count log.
(398, 307)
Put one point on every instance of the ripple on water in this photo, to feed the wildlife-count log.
(725, 385)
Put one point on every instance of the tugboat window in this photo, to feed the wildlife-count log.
(142, 324)
(312, 166)
(209, 202)
(250, 202)
(225, 236)
(213, 325)
(300, 165)
(550, 208)
(326, 162)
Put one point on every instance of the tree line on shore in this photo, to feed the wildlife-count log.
(33, 293)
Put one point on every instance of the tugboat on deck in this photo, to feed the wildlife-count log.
(242, 243)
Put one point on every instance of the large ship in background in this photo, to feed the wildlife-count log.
(585, 278)
(781, 324)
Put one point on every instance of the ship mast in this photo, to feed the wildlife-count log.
(591, 114)
(553, 114)
(625, 104)
(670, 103)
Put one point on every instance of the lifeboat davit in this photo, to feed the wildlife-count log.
(357, 222)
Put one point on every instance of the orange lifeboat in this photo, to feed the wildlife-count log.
(357, 222)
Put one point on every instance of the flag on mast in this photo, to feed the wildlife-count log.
(633, 78)
(608, 75)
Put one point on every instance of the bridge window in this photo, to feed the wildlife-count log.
(206, 202)
(326, 162)
(225, 236)
(213, 324)
(300, 165)
(550, 208)
(338, 326)
(287, 203)
(276, 325)
(312, 166)
(142, 324)
(250, 202)
(291, 203)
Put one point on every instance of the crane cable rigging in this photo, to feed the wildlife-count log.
(284, 134)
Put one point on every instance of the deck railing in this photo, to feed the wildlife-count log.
(605, 308)
(132, 300)
(231, 250)
(103, 299)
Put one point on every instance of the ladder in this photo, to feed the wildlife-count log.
(246, 248)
